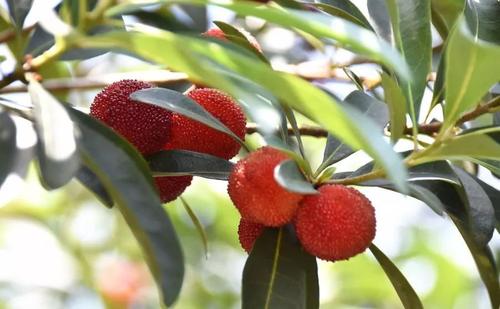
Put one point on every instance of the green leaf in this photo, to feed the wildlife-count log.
(437, 170)
(197, 224)
(396, 102)
(468, 82)
(445, 14)
(8, 148)
(351, 126)
(125, 175)
(491, 165)
(412, 34)
(343, 9)
(288, 175)
(183, 162)
(279, 274)
(458, 211)
(18, 10)
(90, 180)
(178, 103)
(346, 34)
(236, 36)
(494, 196)
(407, 295)
(487, 12)
(335, 150)
(57, 147)
(380, 16)
(479, 144)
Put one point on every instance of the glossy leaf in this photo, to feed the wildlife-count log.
(279, 274)
(178, 103)
(396, 102)
(288, 175)
(380, 16)
(57, 147)
(468, 82)
(351, 126)
(8, 148)
(125, 176)
(406, 293)
(445, 14)
(348, 35)
(344, 9)
(183, 162)
(437, 170)
(18, 10)
(488, 14)
(494, 196)
(90, 180)
(412, 34)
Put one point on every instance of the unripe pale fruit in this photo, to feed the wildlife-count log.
(219, 34)
(248, 232)
(170, 187)
(253, 190)
(145, 126)
(335, 224)
(192, 135)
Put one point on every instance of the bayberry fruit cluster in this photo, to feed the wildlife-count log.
(335, 224)
(151, 129)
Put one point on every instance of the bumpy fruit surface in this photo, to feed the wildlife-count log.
(171, 187)
(336, 224)
(248, 232)
(219, 34)
(253, 190)
(145, 126)
(192, 135)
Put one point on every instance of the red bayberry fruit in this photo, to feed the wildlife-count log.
(336, 224)
(170, 187)
(253, 190)
(219, 34)
(145, 126)
(248, 232)
(192, 135)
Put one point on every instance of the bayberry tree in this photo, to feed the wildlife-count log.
(429, 119)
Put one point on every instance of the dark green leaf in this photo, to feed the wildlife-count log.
(90, 180)
(57, 147)
(494, 196)
(380, 16)
(406, 294)
(280, 274)
(426, 196)
(438, 93)
(288, 175)
(496, 119)
(487, 12)
(234, 35)
(354, 78)
(445, 14)
(18, 10)
(412, 33)
(344, 9)
(468, 82)
(8, 148)
(197, 224)
(125, 175)
(181, 104)
(183, 162)
(437, 170)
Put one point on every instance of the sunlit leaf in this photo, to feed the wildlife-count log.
(487, 12)
(445, 14)
(396, 102)
(343, 9)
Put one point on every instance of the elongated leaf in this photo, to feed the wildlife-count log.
(8, 148)
(335, 150)
(494, 196)
(57, 152)
(197, 224)
(344, 9)
(288, 175)
(380, 16)
(125, 176)
(445, 14)
(279, 274)
(487, 12)
(458, 212)
(351, 126)
(345, 33)
(406, 293)
(412, 34)
(493, 166)
(437, 170)
(90, 180)
(18, 10)
(184, 162)
(479, 69)
(181, 104)
(396, 102)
